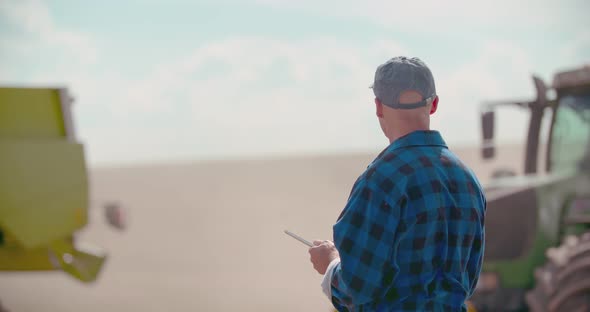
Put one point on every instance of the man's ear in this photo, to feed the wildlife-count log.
(379, 107)
(434, 105)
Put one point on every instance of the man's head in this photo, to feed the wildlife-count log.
(405, 96)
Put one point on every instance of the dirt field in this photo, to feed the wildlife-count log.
(207, 236)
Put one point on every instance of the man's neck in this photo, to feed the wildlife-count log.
(398, 133)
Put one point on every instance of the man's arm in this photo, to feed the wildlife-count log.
(365, 237)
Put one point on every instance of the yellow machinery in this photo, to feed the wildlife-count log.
(43, 185)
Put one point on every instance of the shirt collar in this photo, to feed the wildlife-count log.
(418, 138)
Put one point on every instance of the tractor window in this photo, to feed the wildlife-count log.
(571, 133)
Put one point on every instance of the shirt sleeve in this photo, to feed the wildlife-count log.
(364, 236)
(327, 280)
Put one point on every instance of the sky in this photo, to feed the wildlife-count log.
(169, 80)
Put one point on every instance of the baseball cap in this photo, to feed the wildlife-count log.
(401, 74)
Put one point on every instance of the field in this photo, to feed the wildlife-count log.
(207, 236)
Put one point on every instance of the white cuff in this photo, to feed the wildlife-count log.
(327, 281)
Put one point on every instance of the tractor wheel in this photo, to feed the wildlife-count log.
(563, 283)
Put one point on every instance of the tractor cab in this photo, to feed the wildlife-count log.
(531, 214)
(569, 129)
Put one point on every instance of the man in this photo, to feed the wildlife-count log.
(411, 236)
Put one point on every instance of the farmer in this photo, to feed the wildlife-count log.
(411, 236)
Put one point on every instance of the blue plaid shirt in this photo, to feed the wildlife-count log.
(411, 236)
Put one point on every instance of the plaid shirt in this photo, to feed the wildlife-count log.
(411, 236)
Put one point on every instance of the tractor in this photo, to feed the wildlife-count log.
(44, 196)
(537, 247)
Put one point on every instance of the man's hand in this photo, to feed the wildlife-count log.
(322, 253)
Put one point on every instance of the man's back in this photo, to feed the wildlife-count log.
(411, 237)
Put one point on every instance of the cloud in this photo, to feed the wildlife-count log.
(502, 70)
(33, 34)
(254, 95)
(576, 51)
(250, 95)
(224, 68)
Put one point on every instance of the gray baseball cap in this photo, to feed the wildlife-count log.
(401, 74)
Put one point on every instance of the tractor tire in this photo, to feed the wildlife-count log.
(563, 283)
